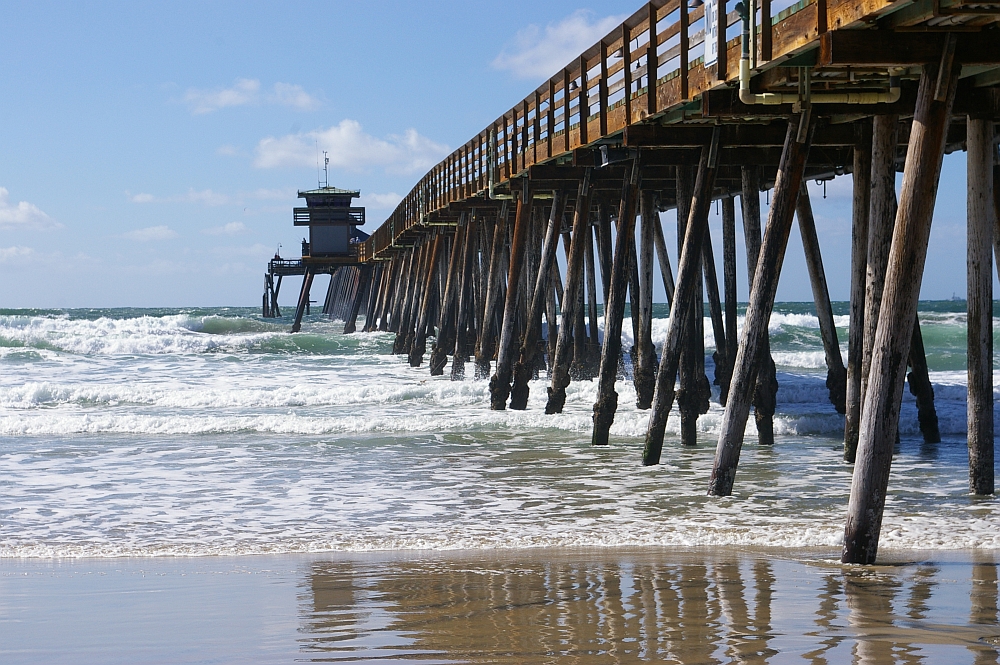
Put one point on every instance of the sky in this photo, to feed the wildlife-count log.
(150, 153)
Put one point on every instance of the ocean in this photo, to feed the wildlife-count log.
(132, 435)
(133, 432)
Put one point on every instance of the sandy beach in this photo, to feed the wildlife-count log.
(577, 606)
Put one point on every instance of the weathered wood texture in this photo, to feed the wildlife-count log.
(980, 303)
(486, 344)
(861, 202)
(526, 362)
(765, 285)
(880, 410)
(419, 346)
(607, 398)
(766, 383)
(570, 299)
(836, 376)
(500, 383)
(921, 388)
(729, 288)
(880, 227)
(688, 278)
(645, 369)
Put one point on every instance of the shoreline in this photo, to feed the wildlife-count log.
(544, 605)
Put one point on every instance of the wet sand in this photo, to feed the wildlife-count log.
(506, 606)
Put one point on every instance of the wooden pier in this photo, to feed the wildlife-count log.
(684, 104)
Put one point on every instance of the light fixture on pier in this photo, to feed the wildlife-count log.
(573, 86)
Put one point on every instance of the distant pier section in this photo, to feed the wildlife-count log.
(331, 247)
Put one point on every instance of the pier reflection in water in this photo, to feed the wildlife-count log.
(613, 607)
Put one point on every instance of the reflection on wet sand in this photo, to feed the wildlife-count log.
(613, 607)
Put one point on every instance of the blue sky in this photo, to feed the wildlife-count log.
(150, 153)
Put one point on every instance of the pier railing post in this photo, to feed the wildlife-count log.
(979, 141)
(880, 411)
(685, 292)
(765, 286)
(607, 398)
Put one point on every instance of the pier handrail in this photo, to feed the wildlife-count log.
(621, 80)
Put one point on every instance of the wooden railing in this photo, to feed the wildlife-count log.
(620, 81)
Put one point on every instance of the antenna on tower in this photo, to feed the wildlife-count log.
(326, 171)
(317, 164)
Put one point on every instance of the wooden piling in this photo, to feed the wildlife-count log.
(766, 385)
(836, 374)
(694, 391)
(594, 340)
(880, 410)
(860, 210)
(419, 346)
(604, 248)
(607, 398)
(921, 388)
(729, 286)
(449, 303)
(979, 141)
(486, 343)
(765, 285)
(552, 313)
(723, 371)
(500, 383)
(574, 264)
(466, 295)
(882, 217)
(664, 260)
(360, 297)
(645, 369)
(688, 278)
(401, 321)
(526, 362)
(300, 309)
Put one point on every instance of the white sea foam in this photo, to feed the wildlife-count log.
(208, 434)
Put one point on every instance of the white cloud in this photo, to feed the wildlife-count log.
(142, 198)
(230, 229)
(9, 254)
(228, 150)
(381, 201)
(24, 215)
(151, 233)
(247, 92)
(352, 149)
(287, 94)
(242, 92)
(534, 55)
